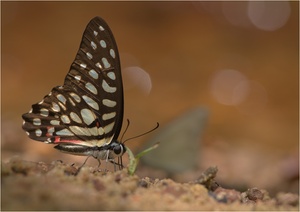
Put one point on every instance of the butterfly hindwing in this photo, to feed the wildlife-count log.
(88, 108)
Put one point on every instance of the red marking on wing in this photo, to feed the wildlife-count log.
(48, 134)
(58, 140)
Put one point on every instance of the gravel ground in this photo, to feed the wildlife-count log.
(40, 186)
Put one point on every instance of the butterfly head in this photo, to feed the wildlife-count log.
(114, 149)
(117, 149)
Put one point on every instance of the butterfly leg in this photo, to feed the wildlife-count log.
(117, 163)
(106, 160)
(82, 165)
(115, 168)
(99, 162)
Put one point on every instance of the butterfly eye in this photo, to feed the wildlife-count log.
(118, 150)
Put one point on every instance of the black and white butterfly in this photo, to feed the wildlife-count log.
(84, 116)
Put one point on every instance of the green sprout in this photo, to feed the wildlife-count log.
(134, 160)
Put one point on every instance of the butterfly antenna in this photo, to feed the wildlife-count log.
(157, 125)
(128, 123)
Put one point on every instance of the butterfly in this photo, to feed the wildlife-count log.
(84, 116)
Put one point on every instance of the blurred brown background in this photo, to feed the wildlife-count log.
(240, 60)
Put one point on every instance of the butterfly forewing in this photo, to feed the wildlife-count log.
(88, 108)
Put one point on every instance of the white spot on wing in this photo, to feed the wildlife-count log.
(105, 63)
(91, 88)
(98, 65)
(107, 116)
(54, 122)
(50, 131)
(61, 98)
(89, 55)
(65, 119)
(109, 127)
(112, 53)
(88, 116)
(93, 74)
(107, 88)
(73, 103)
(103, 43)
(62, 106)
(90, 102)
(38, 132)
(75, 97)
(64, 132)
(75, 117)
(101, 28)
(83, 65)
(55, 107)
(84, 131)
(111, 75)
(44, 112)
(78, 78)
(93, 45)
(100, 130)
(109, 103)
(36, 121)
(95, 33)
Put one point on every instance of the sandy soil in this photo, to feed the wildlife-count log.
(39, 186)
